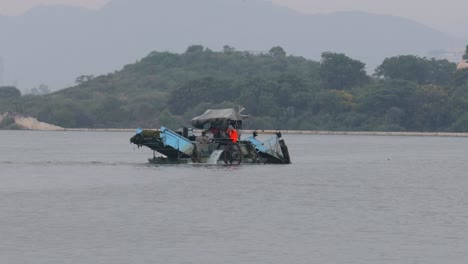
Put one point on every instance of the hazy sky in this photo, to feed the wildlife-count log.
(448, 15)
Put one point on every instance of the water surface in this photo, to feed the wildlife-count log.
(91, 197)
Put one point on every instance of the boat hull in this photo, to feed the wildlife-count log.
(205, 150)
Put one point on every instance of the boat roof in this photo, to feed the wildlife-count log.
(217, 117)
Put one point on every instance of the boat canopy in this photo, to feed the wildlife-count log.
(219, 118)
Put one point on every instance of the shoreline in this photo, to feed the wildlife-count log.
(301, 132)
(20, 122)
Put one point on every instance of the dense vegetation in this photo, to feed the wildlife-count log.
(406, 93)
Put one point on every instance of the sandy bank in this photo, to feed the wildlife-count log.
(28, 123)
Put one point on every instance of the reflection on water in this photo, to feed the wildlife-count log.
(83, 197)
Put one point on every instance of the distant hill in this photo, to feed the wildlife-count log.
(168, 89)
(278, 91)
(54, 45)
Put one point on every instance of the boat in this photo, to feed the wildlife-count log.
(209, 142)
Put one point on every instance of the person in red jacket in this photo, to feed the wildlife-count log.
(232, 133)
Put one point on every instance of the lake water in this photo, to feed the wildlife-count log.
(91, 197)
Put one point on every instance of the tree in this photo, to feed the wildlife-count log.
(277, 52)
(460, 78)
(338, 71)
(432, 109)
(292, 91)
(228, 49)
(461, 124)
(405, 67)
(334, 102)
(9, 92)
(441, 72)
(416, 69)
(377, 99)
(195, 49)
(197, 91)
(258, 96)
(465, 56)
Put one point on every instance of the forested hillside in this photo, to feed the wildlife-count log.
(407, 93)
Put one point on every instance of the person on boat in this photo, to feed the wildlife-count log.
(215, 132)
(232, 133)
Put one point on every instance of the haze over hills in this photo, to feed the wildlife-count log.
(54, 45)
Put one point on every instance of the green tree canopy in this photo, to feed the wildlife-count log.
(9, 92)
(228, 49)
(405, 67)
(460, 78)
(465, 56)
(432, 109)
(195, 48)
(416, 69)
(278, 91)
(380, 97)
(339, 71)
(201, 90)
(258, 95)
(277, 52)
(441, 71)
